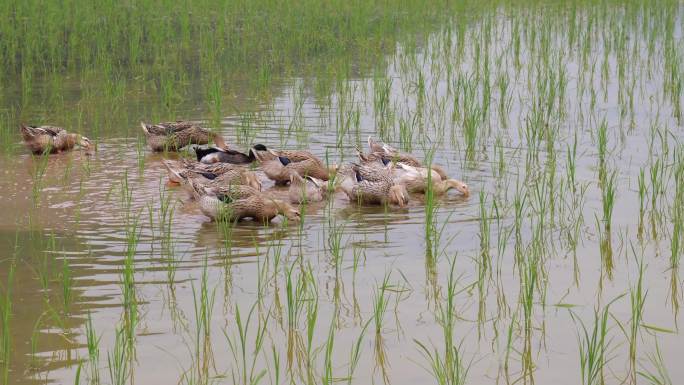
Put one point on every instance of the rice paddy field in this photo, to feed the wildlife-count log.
(561, 267)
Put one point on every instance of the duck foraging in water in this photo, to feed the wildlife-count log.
(372, 185)
(416, 180)
(220, 155)
(211, 176)
(385, 152)
(50, 139)
(172, 136)
(278, 165)
(256, 206)
(307, 189)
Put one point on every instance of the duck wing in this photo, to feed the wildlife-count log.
(167, 128)
(42, 130)
(218, 155)
(369, 173)
(52, 130)
(202, 152)
(297, 155)
(234, 192)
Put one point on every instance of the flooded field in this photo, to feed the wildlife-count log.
(560, 267)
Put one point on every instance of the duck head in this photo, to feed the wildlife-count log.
(398, 195)
(287, 210)
(458, 185)
(250, 179)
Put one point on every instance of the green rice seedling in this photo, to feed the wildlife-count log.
(637, 297)
(657, 190)
(608, 200)
(606, 249)
(406, 134)
(214, 98)
(245, 368)
(484, 263)
(35, 335)
(328, 377)
(571, 165)
(225, 227)
(594, 346)
(505, 99)
(40, 164)
(7, 132)
(380, 303)
(431, 207)
(501, 160)
(126, 196)
(504, 234)
(472, 119)
(120, 370)
(528, 283)
(355, 353)
(382, 87)
(128, 284)
(311, 319)
(518, 208)
(203, 300)
(642, 198)
(677, 216)
(485, 233)
(77, 378)
(295, 290)
(335, 244)
(449, 367)
(357, 252)
(275, 379)
(45, 265)
(659, 375)
(93, 344)
(165, 220)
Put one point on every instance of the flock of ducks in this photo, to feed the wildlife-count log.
(226, 187)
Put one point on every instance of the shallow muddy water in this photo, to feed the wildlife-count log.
(547, 121)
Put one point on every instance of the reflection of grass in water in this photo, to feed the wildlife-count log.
(67, 283)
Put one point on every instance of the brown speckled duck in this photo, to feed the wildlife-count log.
(372, 185)
(306, 189)
(382, 151)
(278, 165)
(172, 136)
(180, 172)
(50, 139)
(183, 165)
(416, 180)
(233, 208)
